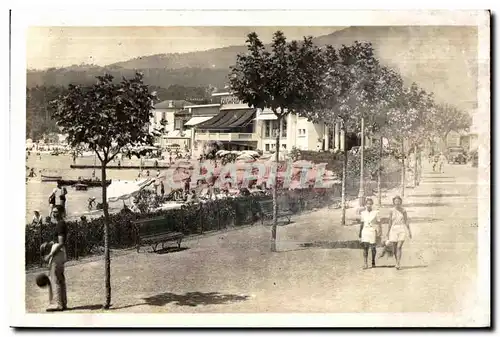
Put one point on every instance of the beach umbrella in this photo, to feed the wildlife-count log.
(251, 153)
(222, 153)
(123, 190)
(245, 156)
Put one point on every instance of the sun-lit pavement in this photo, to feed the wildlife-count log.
(317, 268)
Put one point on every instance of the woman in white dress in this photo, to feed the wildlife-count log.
(398, 228)
(369, 231)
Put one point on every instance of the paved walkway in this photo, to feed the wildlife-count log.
(317, 268)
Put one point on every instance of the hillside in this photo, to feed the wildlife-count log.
(441, 59)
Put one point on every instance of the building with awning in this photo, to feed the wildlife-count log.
(229, 119)
(233, 126)
(238, 126)
(193, 121)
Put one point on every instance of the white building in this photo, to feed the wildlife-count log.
(238, 126)
(171, 132)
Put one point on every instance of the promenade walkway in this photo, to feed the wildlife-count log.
(317, 268)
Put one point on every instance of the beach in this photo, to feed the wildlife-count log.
(37, 192)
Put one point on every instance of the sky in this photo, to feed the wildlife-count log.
(65, 46)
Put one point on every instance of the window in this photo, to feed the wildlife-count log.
(283, 128)
(178, 124)
(283, 146)
(276, 128)
(267, 127)
(267, 147)
(164, 115)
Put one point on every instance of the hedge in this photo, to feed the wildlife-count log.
(86, 236)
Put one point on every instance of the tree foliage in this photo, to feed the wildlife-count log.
(447, 118)
(283, 80)
(107, 116)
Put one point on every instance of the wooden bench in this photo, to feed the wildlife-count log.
(266, 211)
(155, 231)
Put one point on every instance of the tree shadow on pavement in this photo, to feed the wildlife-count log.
(437, 195)
(352, 244)
(193, 299)
(167, 250)
(426, 204)
(281, 223)
(414, 204)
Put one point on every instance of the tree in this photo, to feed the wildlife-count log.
(285, 80)
(347, 94)
(448, 118)
(389, 88)
(108, 117)
(408, 121)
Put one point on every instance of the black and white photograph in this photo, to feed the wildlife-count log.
(300, 166)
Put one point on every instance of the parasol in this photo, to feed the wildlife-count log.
(123, 190)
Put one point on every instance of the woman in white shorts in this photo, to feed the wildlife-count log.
(398, 228)
(369, 231)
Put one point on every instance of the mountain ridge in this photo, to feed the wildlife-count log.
(441, 59)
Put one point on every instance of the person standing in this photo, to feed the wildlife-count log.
(369, 232)
(56, 259)
(398, 228)
(58, 199)
(162, 189)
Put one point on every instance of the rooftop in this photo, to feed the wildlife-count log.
(172, 104)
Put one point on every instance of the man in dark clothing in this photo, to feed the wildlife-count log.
(56, 259)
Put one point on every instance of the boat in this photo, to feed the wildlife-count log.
(80, 187)
(87, 182)
(50, 178)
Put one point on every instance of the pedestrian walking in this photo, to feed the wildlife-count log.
(442, 160)
(369, 232)
(398, 228)
(56, 259)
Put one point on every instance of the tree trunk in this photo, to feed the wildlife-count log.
(403, 176)
(361, 194)
(415, 167)
(275, 193)
(344, 175)
(379, 172)
(107, 261)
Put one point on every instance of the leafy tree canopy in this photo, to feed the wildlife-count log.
(107, 116)
(284, 79)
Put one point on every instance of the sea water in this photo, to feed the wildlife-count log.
(37, 192)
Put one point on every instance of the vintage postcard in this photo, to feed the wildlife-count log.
(323, 168)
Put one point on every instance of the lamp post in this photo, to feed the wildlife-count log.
(361, 194)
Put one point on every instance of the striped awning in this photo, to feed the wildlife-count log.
(229, 119)
(197, 120)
